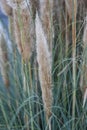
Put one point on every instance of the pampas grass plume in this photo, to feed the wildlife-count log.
(4, 66)
(44, 62)
(46, 15)
(85, 97)
(5, 7)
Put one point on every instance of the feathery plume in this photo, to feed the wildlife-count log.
(85, 33)
(4, 66)
(5, 7)
(24, 31)
(23, 25)
(85, 97)
(46, 15)
(15, 4)
(5, 48)
(44, 62)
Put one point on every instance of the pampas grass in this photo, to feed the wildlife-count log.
(5, 7)
(5, 45)
(23, 26)
(63, 105)
(15, 4)
(44, 62)
(24, 32)
(4, 66)
(46, 15)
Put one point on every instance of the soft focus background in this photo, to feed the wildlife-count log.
(21, 102)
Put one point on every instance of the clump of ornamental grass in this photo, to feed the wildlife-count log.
(44, 63)
(22, 27)
(67, 104)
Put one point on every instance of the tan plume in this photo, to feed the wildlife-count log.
(4, 66)
(44, 62)
(46, 15)
(5, 7)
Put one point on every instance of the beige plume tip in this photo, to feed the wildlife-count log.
(85, 97)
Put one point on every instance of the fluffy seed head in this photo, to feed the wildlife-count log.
(44, 62)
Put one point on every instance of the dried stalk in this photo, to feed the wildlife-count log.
(74, 12)
(69, 6)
